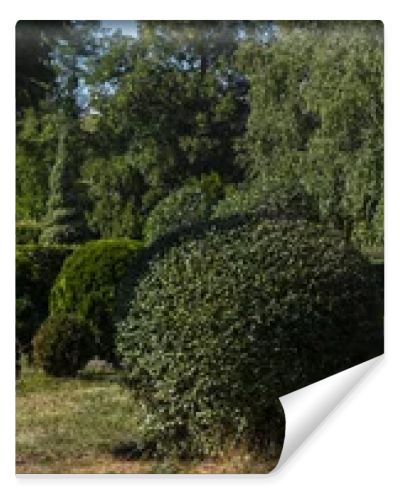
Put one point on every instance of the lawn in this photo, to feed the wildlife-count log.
(75, 426)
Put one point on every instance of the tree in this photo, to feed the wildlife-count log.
(35, 75)
(171, 103)
(35, 154)
(115, 189)
(202, 45)
(317, 118)
(346, 92)
(65, 222)
(36, 129)
(174, 121)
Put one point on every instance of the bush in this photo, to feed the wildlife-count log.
(63, 344)
(88, 286)
(190, 204)
(224, 323)
(27, 232)
(274, 199)
(36, 269)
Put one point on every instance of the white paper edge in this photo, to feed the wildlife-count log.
(307, 408)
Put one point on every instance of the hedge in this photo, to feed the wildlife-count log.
(88, 286)
(226, 322)
(36, 269)
(189, 205)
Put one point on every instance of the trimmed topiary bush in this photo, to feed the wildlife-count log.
(189, 205)
(88, 286)
(273, 199)
(27, 232)
(224, 323)
(36, 269)
(63, 345)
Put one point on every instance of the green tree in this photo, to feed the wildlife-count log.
(35, 155)
(317, 118)
(171, 102)
(65, 221)
(205, 46)
(346, 92)
(35, 74)
(36, 83)
(175, 123)
(115, 188)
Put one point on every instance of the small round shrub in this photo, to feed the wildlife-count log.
(189, 205)
(27, 232)
(88, 286)
(63, 344)
(37, 267)
(225, 323)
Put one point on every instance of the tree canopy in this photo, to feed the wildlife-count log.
(110, 123)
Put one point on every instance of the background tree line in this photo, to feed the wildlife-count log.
(109, 124)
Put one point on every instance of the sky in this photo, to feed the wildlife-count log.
(127, 27)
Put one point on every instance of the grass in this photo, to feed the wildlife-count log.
(57, 420)
(72, 426)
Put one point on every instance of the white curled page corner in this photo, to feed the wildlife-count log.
(306, 408)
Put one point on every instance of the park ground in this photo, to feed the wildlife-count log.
(75, 426)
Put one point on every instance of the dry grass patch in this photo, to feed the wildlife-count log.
(71, 426)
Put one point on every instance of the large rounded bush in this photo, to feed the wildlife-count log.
(63, 345)
(88, 286)
(274, 199)
(189, 205)
(223, 324)
(37, 267)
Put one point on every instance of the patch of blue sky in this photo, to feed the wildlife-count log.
(128, 28)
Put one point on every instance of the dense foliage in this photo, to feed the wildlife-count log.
(174, 119)
(27, 232)
(226, 322)
(249, 158)
(36, 269)
(35, 75)
(316, 115)
(127, 120)
(64, 221)
(115, 188)
(189, 205)
(88, 286)
(63, 345)
(35, 155)
(274, 200)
